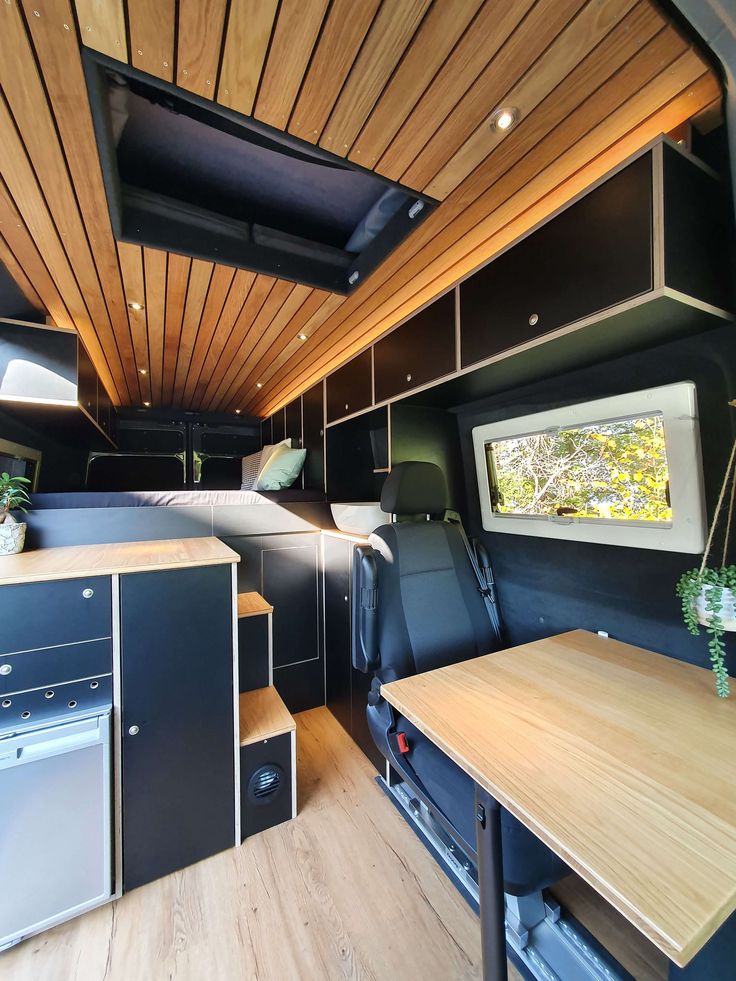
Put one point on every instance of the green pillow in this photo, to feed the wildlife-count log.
(281, 470)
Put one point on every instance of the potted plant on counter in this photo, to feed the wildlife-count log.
(13, 497)
(708, 594)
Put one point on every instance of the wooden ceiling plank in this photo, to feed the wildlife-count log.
(316, 308)
(239, 290)
(257, 296)
(17, 274)
(59, 59)
(670, 87)
(248, 31)
(493, 25)
(222, 278)
(522, 49)
(271, 306)
(200, 277)
(154, 268)
(102, 26)
(281, 326)
(387, 40)
(438, 34)
(177, 280)
(569, 48)
(345, 28)
(131, 268)
(295, 34)
(152, 28)
(603, 64)
(200, 38)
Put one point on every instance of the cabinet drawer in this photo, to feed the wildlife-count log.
(419, 351)
(593, 255)
(30, 707)
(350, 388)
(54, 665)
(45, 614)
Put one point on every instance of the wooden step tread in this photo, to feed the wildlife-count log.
(263, 715)
(252, 605)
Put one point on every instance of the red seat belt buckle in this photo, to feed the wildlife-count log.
(403, 742)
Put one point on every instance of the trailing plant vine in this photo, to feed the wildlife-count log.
(689, 588)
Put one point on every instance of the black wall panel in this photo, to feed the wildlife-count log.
(278, 426)
(337, 628)
(313, 407)
(428, 434)
(293, 415)
(357, 456)
(547, 586)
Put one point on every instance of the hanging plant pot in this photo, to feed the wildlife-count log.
(725, 598)
(12, 537)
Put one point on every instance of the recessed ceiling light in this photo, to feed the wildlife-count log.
(503, 119)
(147, 404)
(135, 305)
(143, 371)
(259, 385)
(302, 337)
(237, 412)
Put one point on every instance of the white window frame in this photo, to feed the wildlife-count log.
(677, 404)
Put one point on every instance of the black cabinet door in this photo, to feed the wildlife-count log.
(419, 351)
(313, 435)
(596, 253)
(86, 382)
(291, 586)
(350, 388)
(177, 688)
(293, 415)
(337, 629)
(278, 426)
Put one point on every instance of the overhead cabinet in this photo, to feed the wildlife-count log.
(654, 232)
(313, 437)
(418, 351)
(350, 388)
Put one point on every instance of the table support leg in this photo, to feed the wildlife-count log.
(490, 885)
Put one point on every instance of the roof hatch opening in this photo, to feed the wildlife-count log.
(190, 176)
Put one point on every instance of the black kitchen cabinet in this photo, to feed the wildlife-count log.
(419, 351)
(594, 254)
(346, 688)
(350, 388)
(178, 753)
(291, 584)
(313, 436)
(293, 417)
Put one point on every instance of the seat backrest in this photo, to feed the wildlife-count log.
(430, 611)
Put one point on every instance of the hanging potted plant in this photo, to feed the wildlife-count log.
(708, 594)
(13, 497)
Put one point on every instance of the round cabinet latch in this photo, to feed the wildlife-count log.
(408, 377)
(6, 668)
(346, 406)
(134, 730)
(88, 593)
(534, 320)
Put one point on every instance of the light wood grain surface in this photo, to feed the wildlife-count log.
(71, 561)
(346, 890)
(263, 715)
(252, 605)
(620, 759)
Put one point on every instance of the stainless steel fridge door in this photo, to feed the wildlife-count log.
(55, 825)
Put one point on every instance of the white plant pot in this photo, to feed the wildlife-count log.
(728, 607)
(12, 537)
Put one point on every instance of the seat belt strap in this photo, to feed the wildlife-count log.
(484, 575)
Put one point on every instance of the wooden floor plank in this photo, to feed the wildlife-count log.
(346, 890)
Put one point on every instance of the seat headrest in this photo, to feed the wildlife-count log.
(414, 488)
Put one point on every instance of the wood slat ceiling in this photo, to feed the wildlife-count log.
(405, 87)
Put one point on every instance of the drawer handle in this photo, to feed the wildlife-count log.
(5, 668)
(134, 730)
(88, 593)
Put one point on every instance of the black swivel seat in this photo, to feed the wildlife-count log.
(429, 613)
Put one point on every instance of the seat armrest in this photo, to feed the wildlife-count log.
(364, 600)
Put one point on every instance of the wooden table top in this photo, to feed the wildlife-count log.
(71, 561)
(623, 761)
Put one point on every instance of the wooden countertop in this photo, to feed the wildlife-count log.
(263, 715)
(72, 561)
(623, 761)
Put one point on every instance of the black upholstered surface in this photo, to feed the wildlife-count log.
(414, 488)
